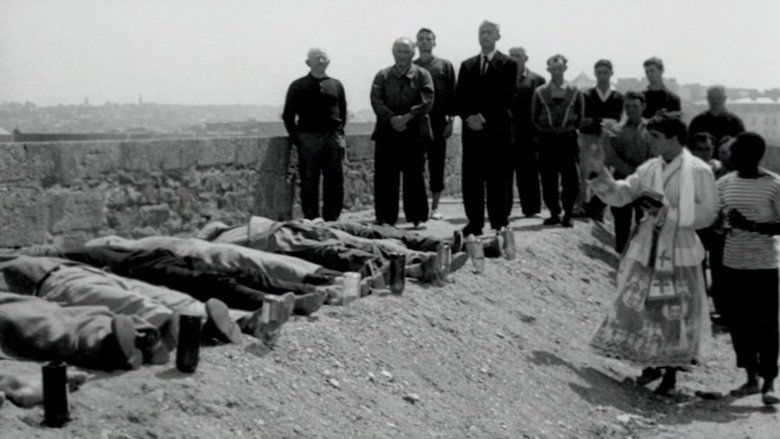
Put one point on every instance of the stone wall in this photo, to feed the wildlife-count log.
(68, 192)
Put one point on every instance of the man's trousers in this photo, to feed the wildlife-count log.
(486, 167)
(36, 329)
(558, 155)
(77, 285)
(393, 156)
(526, 173)
(752, 297)
(321, 154)
(413, 241)
(436, 156)
(624, 218)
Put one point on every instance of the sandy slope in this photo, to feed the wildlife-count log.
(498, 355)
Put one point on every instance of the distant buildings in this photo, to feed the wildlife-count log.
(760, 115)
(5, 136)
(583, 82)
(639, 84)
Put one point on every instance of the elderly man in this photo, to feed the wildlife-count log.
(442, 114)
(658, 99)
(717, 120)
(526, 162)
(402, 97)
(557, 111)
(486, 86)
(315, 112)
(603, 104)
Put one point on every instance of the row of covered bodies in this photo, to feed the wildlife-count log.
(114, 303)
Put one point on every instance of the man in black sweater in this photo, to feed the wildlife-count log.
(659, 100)
(717, 120)
(315, 112)
(602, 103)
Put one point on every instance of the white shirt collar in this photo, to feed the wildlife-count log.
(604, 96)
(490, 55)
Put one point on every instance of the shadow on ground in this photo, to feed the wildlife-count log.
(601, 389)
(599, 253)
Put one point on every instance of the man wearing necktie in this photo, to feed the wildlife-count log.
(484, 93)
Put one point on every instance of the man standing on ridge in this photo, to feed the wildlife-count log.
(603, 104)
(442, 114)
(658, 99)
(557, 110)
(526, 162)
(486, 86)
(315, 113)
(402, 97)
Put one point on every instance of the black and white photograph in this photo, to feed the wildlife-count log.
(389, 219)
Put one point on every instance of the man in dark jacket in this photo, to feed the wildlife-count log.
(526, 162)
(401, 96)
(486, 87)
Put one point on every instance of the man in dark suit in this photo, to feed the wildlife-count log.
(525, 163)
(486, 86)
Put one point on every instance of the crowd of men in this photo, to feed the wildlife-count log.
(517, 127)
(579, 151)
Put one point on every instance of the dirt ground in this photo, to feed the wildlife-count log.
(502, 354)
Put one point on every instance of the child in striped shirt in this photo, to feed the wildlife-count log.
(750, 201)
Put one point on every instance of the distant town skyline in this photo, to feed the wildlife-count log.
(247, 52)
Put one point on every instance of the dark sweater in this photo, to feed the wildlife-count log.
(596, 110)
(725, 124)
(660, 99)
(318, 103)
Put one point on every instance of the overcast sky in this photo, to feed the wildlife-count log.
(248, 51)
